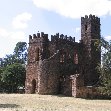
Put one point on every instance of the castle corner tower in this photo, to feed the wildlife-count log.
(90, 37)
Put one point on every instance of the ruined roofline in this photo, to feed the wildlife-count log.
(44, 37)
(62, 37)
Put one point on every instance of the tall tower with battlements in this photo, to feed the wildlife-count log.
(90, 37)
(37, 51)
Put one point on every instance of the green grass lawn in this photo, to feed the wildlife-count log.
(35, 102)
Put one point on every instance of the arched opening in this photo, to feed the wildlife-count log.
(75, 58)
(62, 80)
(85, 27)
(33, 86)
(37, 54)
(62, 57)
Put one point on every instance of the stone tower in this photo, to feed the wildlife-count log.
(38, 50)
(41, 72)
(90, 36)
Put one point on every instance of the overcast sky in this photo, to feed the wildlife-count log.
(21, 18)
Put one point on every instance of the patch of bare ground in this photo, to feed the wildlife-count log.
(35, 102)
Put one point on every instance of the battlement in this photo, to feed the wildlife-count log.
(61, 37)
(38, 37)
(90, 18)
(41, 37)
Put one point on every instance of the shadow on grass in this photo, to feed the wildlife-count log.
(60, 95)
(9, 105)
(96, 98)
(87, 98)
(103, 97)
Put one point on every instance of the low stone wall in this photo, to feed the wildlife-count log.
(81, 91)
(87, 92)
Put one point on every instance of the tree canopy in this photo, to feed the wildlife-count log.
(12, 69)
(13, 76)
(105, 67)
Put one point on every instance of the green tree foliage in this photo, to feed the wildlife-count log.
(13, 76)
(12, 68)
(8, 60)
(19, 55)
(20, 51)
(105, 67)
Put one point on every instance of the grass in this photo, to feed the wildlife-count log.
(35, 102)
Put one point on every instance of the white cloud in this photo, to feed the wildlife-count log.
(20, 21)
(76, 8)
(3, 32)
(19, 35)
(77, 30)
(16, 35)
(108, 37)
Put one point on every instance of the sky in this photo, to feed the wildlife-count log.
(21, 18)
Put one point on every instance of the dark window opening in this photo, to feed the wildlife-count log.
(33, 86)
(85, 27)
(62, 58)
(61, 84)
(96, 28)
(37, 54)
(75, 58)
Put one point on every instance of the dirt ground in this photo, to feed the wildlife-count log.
(35, 102)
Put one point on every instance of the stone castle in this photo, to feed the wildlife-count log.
(63, 66)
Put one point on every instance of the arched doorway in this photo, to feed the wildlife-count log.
(61, 85)
(33, 86)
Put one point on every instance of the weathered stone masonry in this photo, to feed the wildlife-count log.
(63, 66)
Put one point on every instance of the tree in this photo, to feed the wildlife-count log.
(19, 55)
(20, 51)
(105, 68)
(12, 68)
(8, 60)
(13, 76)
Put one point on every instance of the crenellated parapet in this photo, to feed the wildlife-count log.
(90, 18)
(39, 37)
(61, 37)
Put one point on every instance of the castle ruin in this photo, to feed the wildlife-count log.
(61, 65)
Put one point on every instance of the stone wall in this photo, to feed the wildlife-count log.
(87, 92)
(81, 91)
(67, 86)
(48, 76)
(32, 74)
(76, 82)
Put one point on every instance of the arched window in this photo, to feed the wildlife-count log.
(62, 57)
(85, 27)
(75, 58)
(37, 54)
